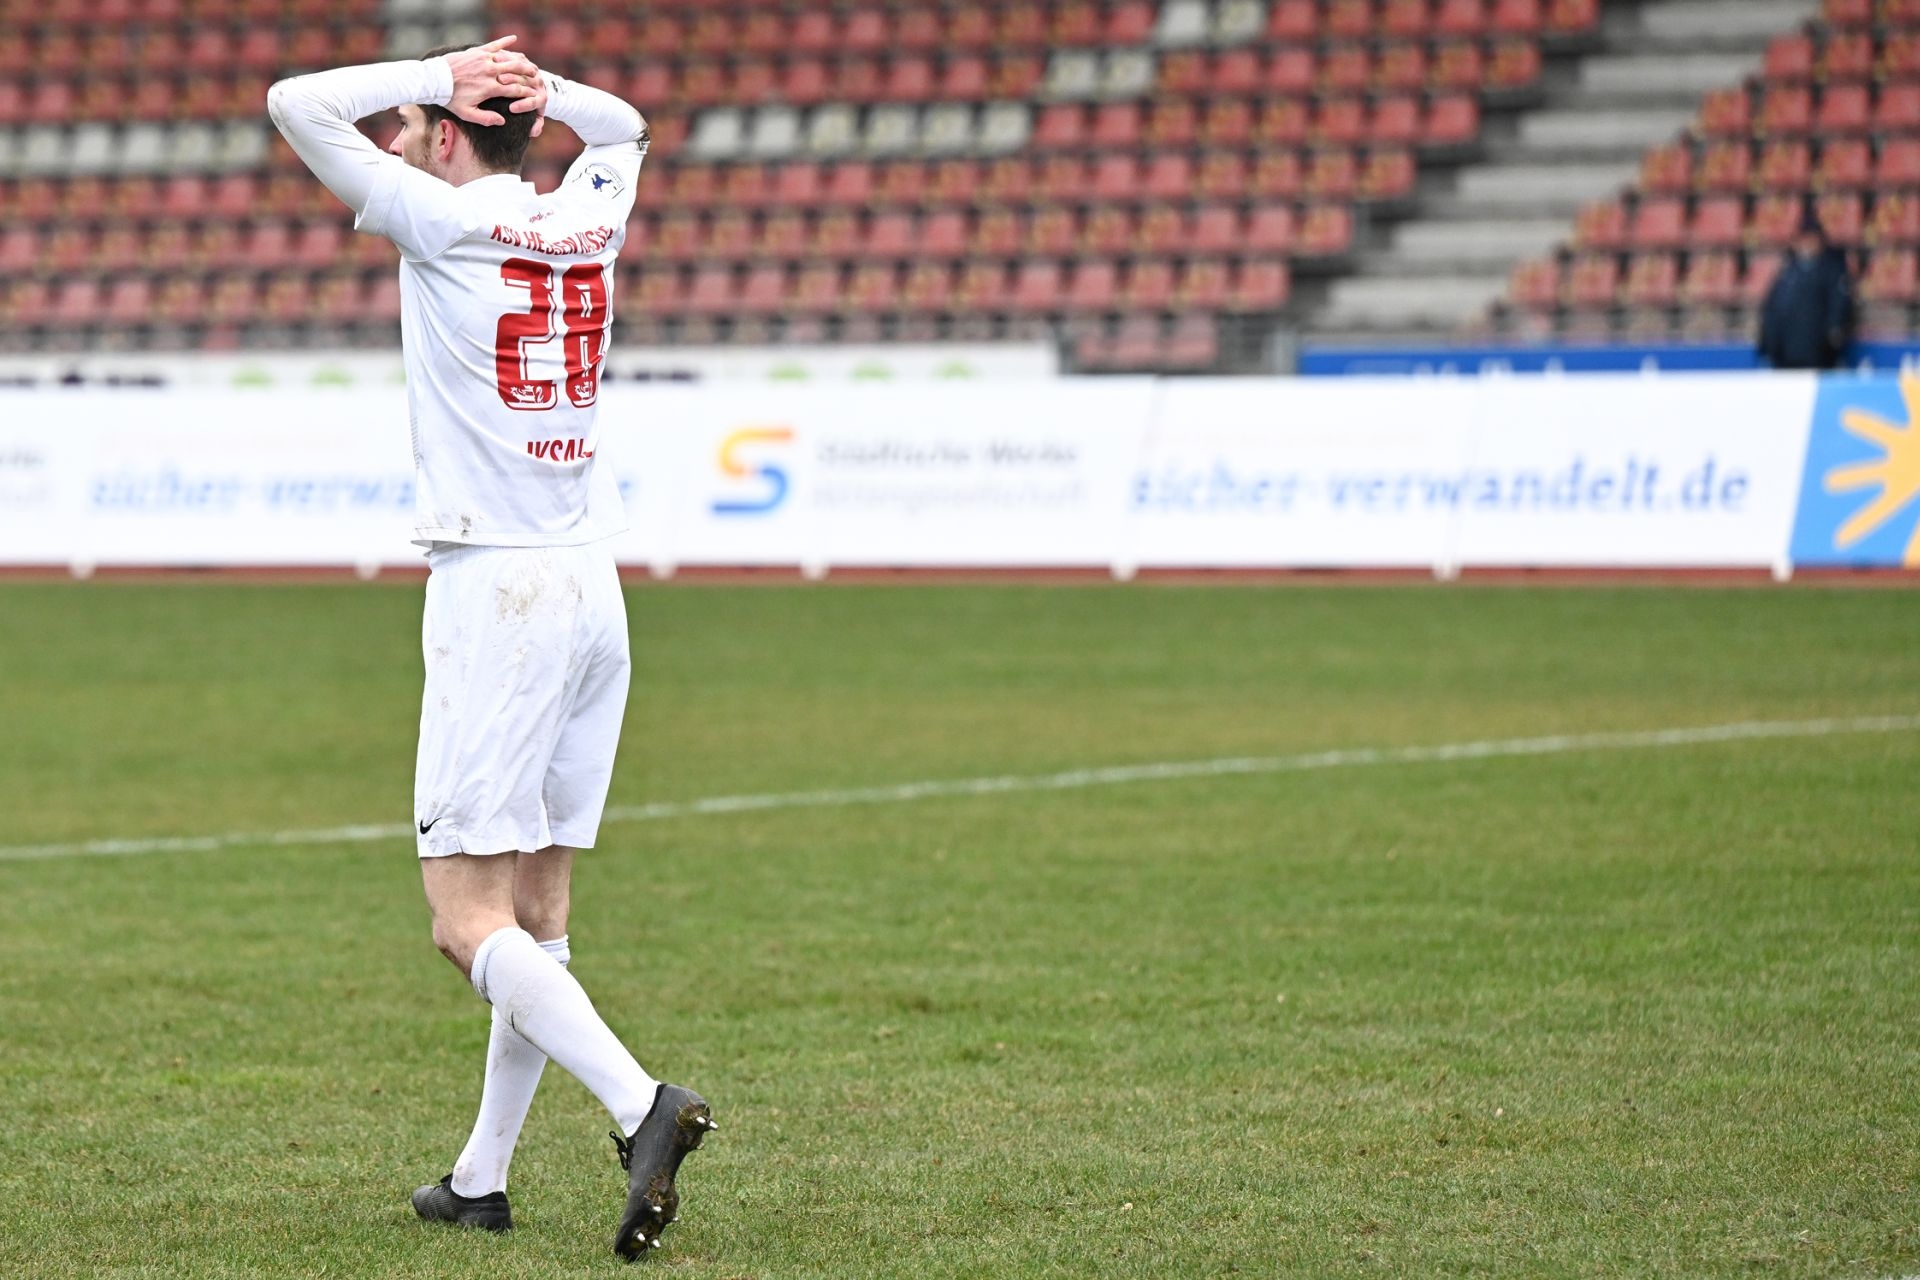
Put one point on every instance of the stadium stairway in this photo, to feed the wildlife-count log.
(1827, 120)
(1598, 109)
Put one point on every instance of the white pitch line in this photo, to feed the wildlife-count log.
(1071, 780)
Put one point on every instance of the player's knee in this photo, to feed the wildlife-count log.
(545, 921)
(455, 945)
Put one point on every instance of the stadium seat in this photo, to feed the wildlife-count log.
(1785, 166)
(1896, 220)
(1592, 280)
(1535, 285)
(1845, 163)
(1712, 279)
(1667, 169)
(1718, 222)
(1893, 275)
(1653, 280)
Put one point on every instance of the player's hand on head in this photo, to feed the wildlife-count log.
(493, 70)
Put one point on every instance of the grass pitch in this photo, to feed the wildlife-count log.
(1646, 1012)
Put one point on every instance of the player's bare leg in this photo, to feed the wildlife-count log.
(474, 925)
(474, 1194)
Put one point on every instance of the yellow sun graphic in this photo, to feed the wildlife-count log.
(1896, 473)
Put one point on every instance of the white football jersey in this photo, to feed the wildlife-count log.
(506, 300)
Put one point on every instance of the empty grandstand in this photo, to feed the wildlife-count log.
(1178, 186)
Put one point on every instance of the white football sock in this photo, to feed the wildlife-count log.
(548, 1008)
(513, 1073)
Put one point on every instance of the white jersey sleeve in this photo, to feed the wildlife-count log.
(616, 137)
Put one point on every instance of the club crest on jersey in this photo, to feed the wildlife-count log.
(603, 179)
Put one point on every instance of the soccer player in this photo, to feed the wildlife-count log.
(505, 311)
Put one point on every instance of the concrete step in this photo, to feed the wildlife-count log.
(1720, 24)
(1488, 243)
(1656, 79)
(1372, 303)
(1563, 133)
(1536, 190)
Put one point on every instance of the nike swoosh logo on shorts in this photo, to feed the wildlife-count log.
(428, 826)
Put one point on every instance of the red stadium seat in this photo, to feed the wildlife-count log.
(1668, 169)
(1271, 229)
(1776, 219)
(1229, 123)
(1052, 232)
(1789, 59)
(1896, 219)
(943, 234)
(874, 287)
(1233, 71)
(1116, 125)
(1460, 18)
(1061, 127)
(1453, 119)
(1726, 166)
(1389, 174)
(1535, 285)
(1348, 19)
(1726, 112)
(1216, 229)
(1848, 55)
(1284, 122)
(1332, 175)
(1203, 284)
(1659, 223)
(1401, 68)
(1130, 22)
(1898, 164)
(1094, 287)
(1459, 64)
(1164, 229)
(1346, 68)
(1339, 121)
(1572, 17)
(1845, 163)
(1516, 64)
(1289, 71)
(1845, 108)
(982, 286)
(1173, 123)
(1405, 19)
(1785, 110)
(1516, 17)
(1293, 21)
(1602, 225)
(1259, 285)
(1223, 175)
(1898, 110)
(1148, 286)
(1785, 166)
(1653, 280)
(926, 287)
(1892, 276)
(1326, 231)
(1719, 221)
(1712, 279)
(1592, 280)
(1843, 214)
(1397, 119)
(1109, 230)
(1169, 176)
(1277, 176)
(1847, 13)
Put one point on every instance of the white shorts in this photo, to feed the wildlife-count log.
(527, 669)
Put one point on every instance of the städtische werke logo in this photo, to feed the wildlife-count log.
(1863, 473)
(754, 481)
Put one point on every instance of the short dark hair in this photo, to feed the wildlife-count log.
(502, 148)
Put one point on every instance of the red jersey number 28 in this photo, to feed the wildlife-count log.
(582, 330)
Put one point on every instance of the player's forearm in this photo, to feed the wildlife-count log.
(316, 113)
(596, 116)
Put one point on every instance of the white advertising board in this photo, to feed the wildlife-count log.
(1123, 474)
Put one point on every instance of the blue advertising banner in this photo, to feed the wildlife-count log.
(1355, 362)
(1859, 487)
